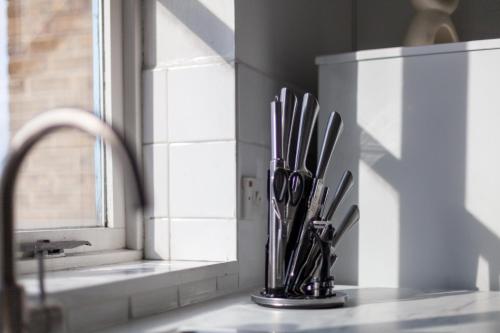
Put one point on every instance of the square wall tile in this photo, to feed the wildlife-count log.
(203, 180)
(180, 30)
(155, 159)
(157, 239)
(203, 239)
(154, 105)
(201, 103)
(255, 93)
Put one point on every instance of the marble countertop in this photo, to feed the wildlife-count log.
(368, 310)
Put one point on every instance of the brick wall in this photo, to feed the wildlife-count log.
(50, 65)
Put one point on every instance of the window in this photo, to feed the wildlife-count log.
(58, 54)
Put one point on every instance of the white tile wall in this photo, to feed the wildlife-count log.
(154, 105)
(155, 159)
(203, 180)
(203, 239)
(255, 93)
(201, 103)
(157, 235)
(188, 30)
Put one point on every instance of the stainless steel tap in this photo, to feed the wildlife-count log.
(15, 313)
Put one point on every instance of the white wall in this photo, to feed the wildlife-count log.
(211, 69)
(189, 110)
(423, 143)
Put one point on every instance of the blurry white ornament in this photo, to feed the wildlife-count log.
(432, 23)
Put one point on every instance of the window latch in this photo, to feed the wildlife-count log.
(48, 249)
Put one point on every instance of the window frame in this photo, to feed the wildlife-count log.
(122, 225)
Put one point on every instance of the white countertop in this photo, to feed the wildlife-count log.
(368, 310)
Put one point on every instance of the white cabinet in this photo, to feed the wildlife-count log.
(422, 136)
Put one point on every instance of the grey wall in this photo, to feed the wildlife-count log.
(383, 23)
(282, 37)
(276, 44)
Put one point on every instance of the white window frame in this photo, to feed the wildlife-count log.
(123, 228)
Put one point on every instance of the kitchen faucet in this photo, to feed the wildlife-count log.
(15, 314)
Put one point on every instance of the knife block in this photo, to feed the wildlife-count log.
(305, 301)
(300, 246)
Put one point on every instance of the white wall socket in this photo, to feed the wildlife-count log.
(253, 198)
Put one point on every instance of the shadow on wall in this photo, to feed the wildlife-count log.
(443, 178)
(203, 23)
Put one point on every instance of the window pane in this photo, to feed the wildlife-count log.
(50, 55)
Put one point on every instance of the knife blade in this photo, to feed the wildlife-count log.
(288, 102)
(345, 184)
(277, 224)
(308, 115)
(349, 220)
(276, 130)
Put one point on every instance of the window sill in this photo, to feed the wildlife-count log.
(79, 260)
(113, 294)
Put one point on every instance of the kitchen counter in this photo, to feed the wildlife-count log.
(368, 310)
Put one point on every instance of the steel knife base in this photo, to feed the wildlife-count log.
(338, 299)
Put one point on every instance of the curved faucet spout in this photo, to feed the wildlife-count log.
(21, 144)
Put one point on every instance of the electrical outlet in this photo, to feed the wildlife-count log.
(253, 197)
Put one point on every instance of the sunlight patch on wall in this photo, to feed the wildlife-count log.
(483, 274)
(482, 197)
(379, 239)
(379, 110)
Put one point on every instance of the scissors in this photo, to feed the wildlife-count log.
(288, 189)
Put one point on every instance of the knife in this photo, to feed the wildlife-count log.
(310, 263)
(349, 220)
(288, 109)
(300, 176)
(316, 260)
(343, 187)
(277, 224)
(308, 115)
(293, 136)
(334, 128)
(276, 130)
(304, 245)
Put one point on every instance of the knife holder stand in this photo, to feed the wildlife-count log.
(327, 298)
(300, 250)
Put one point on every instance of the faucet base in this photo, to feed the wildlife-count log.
(45, 318)
(336, 300)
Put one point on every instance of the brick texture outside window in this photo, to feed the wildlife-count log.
(50, 45)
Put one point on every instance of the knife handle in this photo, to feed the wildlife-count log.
(288, 106)
(276, 130)
(344, 186)
(349, 220)
(332, 134)
(308, 115)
